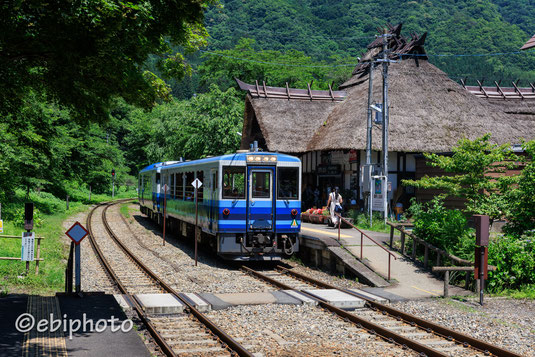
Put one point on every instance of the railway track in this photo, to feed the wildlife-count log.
(400, 328)
(190, 333)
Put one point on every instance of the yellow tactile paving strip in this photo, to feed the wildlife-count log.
(46, 343)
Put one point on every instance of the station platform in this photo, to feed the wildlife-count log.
(56, 313)
(408, 280)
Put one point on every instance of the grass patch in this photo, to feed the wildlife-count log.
(525, 292)
(125, 210)
(362, 221)
(54, 248)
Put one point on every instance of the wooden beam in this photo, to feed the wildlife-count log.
(288, 91)
(265, 90)
(518, 90)
(331, 92)
(257, 89)
(500, 90)
(482, 89)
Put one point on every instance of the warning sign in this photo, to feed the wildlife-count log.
(26, 250)
(294, 224)
(1, 226)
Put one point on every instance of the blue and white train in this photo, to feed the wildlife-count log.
(248, 205)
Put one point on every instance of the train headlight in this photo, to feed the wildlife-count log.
(226, 212)
(294, 212)
(259, 159)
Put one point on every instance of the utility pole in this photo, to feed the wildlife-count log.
(369, 123)
(385, 123)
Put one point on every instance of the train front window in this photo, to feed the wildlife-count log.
(288, 183)
(261, 184)
(234, 182)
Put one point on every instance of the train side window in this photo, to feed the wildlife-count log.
(288, 183)
(179, 186)
(190, 176)
(233, 182)
(172, 193)
(200, 191)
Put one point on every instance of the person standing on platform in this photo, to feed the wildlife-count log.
(335, 205)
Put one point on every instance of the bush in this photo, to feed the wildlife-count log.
(514, 259)
(362, 221)
(444, 228)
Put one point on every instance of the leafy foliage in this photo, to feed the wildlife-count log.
(321, 28)
(520, 206)
(84, 53)
(292, 67)
(469, 174)
(446, 229)
(514, 259)
(208, 124)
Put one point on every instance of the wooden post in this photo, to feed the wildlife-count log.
(361, 244)
(413, 252)
(78, 278)
(438, 259)
(446, 283)
(38, 253)
(67, 202)
(426, 256)
(68, 273)
(392, 236)
(402, 243)
(466, 280)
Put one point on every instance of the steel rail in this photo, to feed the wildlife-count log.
(373, 328)
(441, 331)
(139, 310)
(216, 330)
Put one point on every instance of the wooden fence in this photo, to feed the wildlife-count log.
(37, 258)
(465, 265)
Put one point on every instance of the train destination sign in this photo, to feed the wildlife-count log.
(77, 233)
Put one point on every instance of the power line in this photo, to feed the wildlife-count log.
(354, 64)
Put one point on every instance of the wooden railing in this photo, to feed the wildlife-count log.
(37, 258)
(466, 266)
(427, 247)
(362, 235)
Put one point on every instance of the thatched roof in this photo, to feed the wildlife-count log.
(428, 113)
(529, 44)
(284, 125)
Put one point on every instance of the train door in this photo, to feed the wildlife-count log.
(261, 199)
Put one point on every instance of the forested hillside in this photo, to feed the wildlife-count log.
(323, 29)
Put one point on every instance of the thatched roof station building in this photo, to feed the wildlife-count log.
(429, 112)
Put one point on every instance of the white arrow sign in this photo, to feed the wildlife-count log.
(196, 183)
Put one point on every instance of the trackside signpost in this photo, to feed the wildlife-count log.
(481, 223)
(77, 233)
(197, 184)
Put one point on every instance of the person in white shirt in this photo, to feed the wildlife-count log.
(335, 205)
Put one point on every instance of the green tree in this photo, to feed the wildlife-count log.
(208, 124)
(469, 175)
(274, 67)
(84, 53)
(520, 205)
